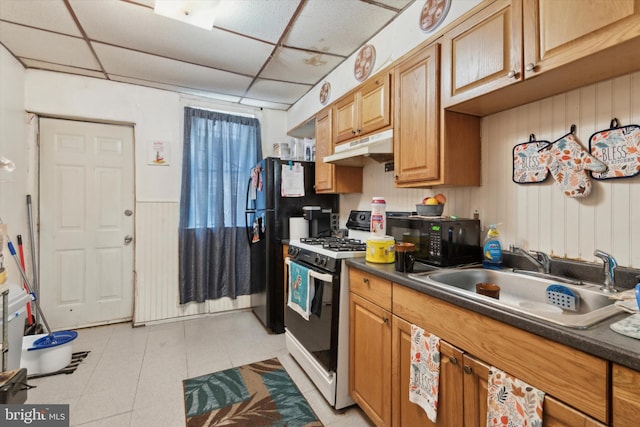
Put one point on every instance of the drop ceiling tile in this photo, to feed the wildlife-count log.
(50, 15)
(30, 63)
(280, 92)
(261, 19)
(140, 29)
(337, 26)
(265, 104)
(179, 89)
(396, 4)
(299, 66)
(142, 66)
(48, 47)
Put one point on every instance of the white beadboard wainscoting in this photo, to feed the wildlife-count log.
(539, 216)
(157, 296)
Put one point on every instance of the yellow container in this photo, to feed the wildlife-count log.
(381, 250)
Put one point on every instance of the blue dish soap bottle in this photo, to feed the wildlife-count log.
(492, 249)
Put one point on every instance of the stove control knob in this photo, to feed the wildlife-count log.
(323, 262)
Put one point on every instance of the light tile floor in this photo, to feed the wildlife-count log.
(133, 376)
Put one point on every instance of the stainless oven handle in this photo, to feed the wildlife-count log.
(320, 276)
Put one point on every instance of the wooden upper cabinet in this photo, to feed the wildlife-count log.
(346, 118)
(365, 110)
(329, 177)
(375, 104)
(324, 171)
(517, 51)
(416, 135)
(560, 32)
(483, 53)
(431, 146)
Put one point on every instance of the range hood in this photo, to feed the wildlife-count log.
(378, 146)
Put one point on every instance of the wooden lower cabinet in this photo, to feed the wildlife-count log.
(576, 378)
(576, 385)
(626, 397)
(408, 414)
(370, 358)
(476, 379)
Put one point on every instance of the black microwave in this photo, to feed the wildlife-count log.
(442, 241)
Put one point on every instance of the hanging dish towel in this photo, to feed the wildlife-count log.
(511, 401)
(301, 289)
(425, 371)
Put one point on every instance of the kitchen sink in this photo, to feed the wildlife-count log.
(524, 294)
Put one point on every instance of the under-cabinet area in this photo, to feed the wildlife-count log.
(581, 389)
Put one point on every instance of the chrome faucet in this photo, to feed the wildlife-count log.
(610, 265)
(541, 261)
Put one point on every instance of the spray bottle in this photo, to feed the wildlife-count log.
(492, 249)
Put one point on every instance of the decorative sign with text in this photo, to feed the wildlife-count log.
(159, 153)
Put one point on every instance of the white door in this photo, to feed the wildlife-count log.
(86, 223)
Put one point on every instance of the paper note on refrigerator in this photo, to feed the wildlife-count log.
(292, 183)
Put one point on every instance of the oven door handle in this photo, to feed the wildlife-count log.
(320, 276)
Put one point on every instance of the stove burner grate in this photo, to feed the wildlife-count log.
(338, 244)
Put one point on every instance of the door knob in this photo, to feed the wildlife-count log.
(128, 239)
(128, 212)
(512, 74)
(530, 66)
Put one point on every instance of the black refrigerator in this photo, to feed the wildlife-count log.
(267, 221)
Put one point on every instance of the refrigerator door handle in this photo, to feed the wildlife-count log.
(248, 228)
(248, 189)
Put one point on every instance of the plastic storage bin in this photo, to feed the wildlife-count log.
(17, 314)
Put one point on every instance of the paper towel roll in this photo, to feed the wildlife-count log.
(298, 228)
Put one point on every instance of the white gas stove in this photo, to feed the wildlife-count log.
(320, 344)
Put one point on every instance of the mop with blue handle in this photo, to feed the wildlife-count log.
(53, 338)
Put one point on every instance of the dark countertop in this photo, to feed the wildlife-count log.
(598, 340)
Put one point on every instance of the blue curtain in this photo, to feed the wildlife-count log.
(219, 152)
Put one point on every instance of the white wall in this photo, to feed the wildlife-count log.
(539, 216)
(535, 216)
(156, 115)
(14, 146)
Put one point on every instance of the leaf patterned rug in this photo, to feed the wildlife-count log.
(259, 394)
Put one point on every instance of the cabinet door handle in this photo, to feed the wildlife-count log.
(353, 132)
(468, 369)
(453, 360)
(366, 281)
(512, 74)
(385, 319)
(530, 66)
